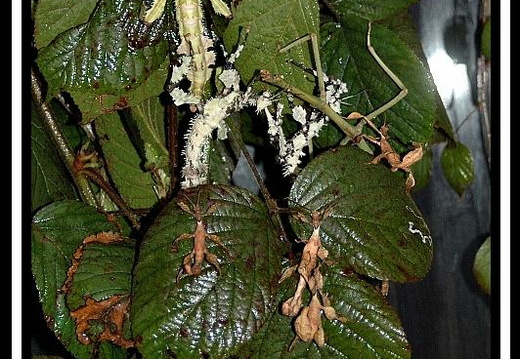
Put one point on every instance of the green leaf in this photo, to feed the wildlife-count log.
(94, 103)
(209, 314)
(457, 166)
(57, 231)
(103, 55)
(422, 170)
(345, 56)
(124, 164)
(372, 329)
(221, 163)
(485, 40)
(104, 270)
(375, 228)
(145, 124)
(148, 118)
(272, 25)
(482, 266)
(369, 9)
(50, 180)
(53, 17)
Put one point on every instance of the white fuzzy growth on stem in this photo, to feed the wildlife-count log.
(195, 171)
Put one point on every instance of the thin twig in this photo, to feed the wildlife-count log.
(352, 132)
(95, 177)
(172, 143)
(271, 203)
(53, 129)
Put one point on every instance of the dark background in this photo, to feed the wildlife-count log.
(445, 316)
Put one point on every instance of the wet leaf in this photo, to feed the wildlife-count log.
(381, 236)
(100, 55)
(100, 268)
(482, 266)
(274, 24)
(372, 328)
(345, 56)
(371, 10)
(210, 313)
(57, 231)
(53, 17)
(124, 164)
(457, 166)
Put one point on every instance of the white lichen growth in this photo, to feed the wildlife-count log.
(210, 117)
(292, 150)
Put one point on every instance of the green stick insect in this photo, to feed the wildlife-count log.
(195, 41)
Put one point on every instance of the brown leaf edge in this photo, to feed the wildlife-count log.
(111, 311)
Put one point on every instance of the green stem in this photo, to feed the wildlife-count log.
(113, 195)
(65, 151)
(316, 102)
(319, 104)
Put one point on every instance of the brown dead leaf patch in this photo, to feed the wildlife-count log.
(111, 312)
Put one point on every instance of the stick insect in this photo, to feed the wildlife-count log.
(195, 39)
(192, 263)
(353, 132)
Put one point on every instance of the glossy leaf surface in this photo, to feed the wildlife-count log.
(345, 55)
(372, 328)
(111, 54)
(374, 228)
(209, 314)
(272, 25)
(58, 230)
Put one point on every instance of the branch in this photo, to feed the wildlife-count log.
(53, 129)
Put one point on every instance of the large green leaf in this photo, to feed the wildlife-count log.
(372, 328)
(145, 124)
(58, 230)
(274, 24)
(374, 228)
(112, 53)
(53, 17)
(207, 314)
(345, 56)
(369, 9)
(124, 164)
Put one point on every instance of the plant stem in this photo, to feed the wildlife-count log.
(319, 104)
(112, 194)
(316, 102)
(65, 151)
(172, 127)
(271, 203)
